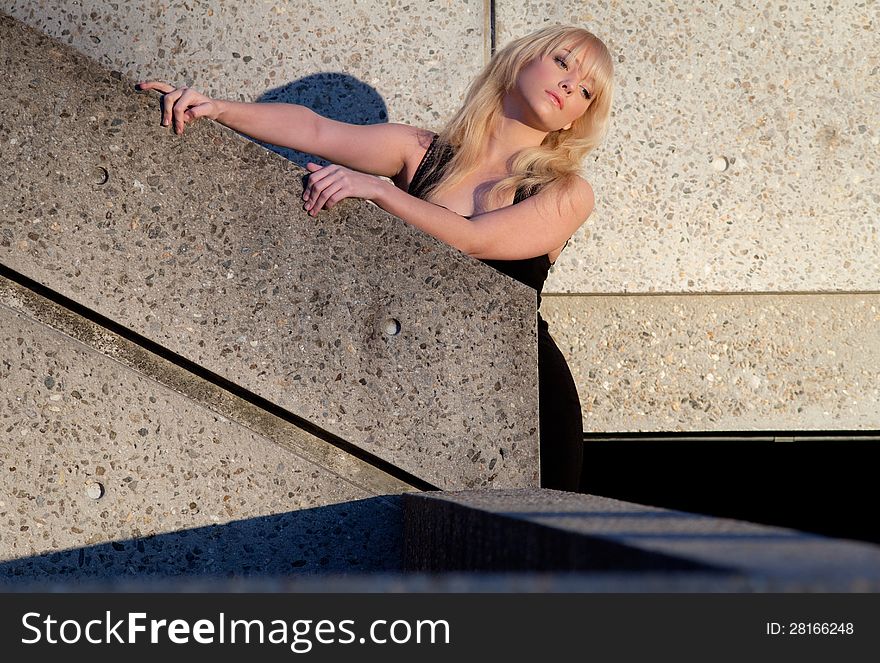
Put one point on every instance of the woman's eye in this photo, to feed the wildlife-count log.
(561, 63)
(586, 93)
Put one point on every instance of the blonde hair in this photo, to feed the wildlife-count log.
(558, 159)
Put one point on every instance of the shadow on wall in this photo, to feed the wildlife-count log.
(351, 537)
(335, 95)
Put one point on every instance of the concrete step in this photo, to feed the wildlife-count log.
(553, 531)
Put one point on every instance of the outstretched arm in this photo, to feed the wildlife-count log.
(534, 227)
(379, 149)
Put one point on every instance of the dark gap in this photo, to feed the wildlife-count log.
(816, 483)
(213, 378)
(492, 43)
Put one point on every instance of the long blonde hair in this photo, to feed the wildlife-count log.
(558, 159)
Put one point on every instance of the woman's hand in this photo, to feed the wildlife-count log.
(330, 184)
(182, 104)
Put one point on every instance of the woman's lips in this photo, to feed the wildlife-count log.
(555, 97)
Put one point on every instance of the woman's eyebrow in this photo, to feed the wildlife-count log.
(578, 64)
(577, 61)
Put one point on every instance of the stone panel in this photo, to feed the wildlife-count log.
(742, 154)
(199, 244)
(722, 363)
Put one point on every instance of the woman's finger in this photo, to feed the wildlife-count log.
(330, 180)
(317, 181)
(334, 188)
(168, 105)
(197, 111)
(313, 190)
(161, 86)
(332, 200)
(168, 91)
(318, 175)
(180, 107)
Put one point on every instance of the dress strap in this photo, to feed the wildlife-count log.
(416, 184)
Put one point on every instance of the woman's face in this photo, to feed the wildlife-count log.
(553, 91)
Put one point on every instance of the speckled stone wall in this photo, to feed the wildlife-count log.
(356, 60)
(741, 158)
(719, 363)
(199, 243)
(742, 154)
(743, 149)
(107, 473)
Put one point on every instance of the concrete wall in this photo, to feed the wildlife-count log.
(403, 60)
(727, 280)
(742, 164)
(784, 94)
(742, 156)
(722, 362)
(518, 530)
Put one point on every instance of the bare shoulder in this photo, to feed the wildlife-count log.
(572, 198)
(539, 224)
(423, 136)
(416, 140)
(579, 192)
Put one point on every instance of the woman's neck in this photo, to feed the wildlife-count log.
(510, 137)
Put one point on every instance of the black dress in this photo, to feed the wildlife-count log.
(562, 433)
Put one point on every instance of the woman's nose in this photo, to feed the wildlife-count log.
(565, 85)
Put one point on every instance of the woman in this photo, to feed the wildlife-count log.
(500, 182)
